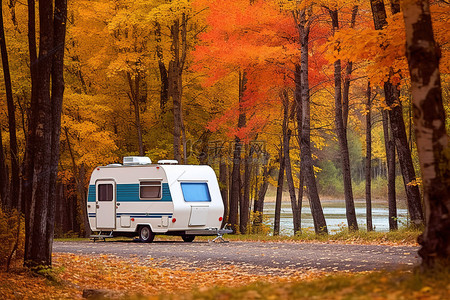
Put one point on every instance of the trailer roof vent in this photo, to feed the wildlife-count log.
(168, 162)
(114, 165)
(136, 160)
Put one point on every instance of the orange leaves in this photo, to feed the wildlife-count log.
(145, 277)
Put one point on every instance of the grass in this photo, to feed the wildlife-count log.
(374, 285)
(404, 236)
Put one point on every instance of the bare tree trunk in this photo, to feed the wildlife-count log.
(235, 186)
(398, 126)
(279, 196)
(176, 67)
(320, 225)
(134, 97)
(174, 88)
(368, 168)
(57, 94)
(431, 136)
(390, 160)
(403, 153)
(3, 175)
(14, 183)
(79, 177)
(258, 208)
(300, 197)
(245, 200)
(348, 73)
(298, 116)
(224, 188)
(44, 129)
(236, 173)
(164, 77)
(287, 162)
(342, 136)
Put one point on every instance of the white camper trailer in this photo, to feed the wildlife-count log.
(145, 199)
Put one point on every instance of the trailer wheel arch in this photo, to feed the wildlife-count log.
(188, 238)
(145, 233)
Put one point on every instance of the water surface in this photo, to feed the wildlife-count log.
(334, 212)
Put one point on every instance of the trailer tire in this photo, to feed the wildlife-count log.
(188, 238)
(146, 235)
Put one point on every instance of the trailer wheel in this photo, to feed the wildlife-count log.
(188, 238)
(145, 234)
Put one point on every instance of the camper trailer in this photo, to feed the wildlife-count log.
(138, 198)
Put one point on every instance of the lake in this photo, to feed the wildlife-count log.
(334, 212)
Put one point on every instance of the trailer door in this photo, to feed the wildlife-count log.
(106, 204)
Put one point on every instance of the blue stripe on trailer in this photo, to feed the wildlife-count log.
(139, 215)
(130, 192)
(148, 217)
(91, 193)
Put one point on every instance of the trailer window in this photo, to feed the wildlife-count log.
(195, 192)
(150, 190)
(105, 192)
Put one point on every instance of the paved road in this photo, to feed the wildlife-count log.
(256, 256)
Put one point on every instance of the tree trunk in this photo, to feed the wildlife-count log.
(342, 137)
(134, 96)
(79, 176)
(14, 183)
(431, 136)
(3, 175)
(287, 162)
(347, 79)
(298, 115)
(245, 200)
(164, 87)
(368, 168)
(258, 208)
(320, 225)
(176, 67)
(279, 196)
(236, 173)
(404, 154)
(174, 88)
(398, 127)
(44, 129)
(300, 197)
(390, 160)
(235, 186)
(223, 182)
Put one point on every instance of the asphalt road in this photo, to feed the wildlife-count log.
(259, 257)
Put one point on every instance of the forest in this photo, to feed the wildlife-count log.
(308, 98)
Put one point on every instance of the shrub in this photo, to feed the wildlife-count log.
(12, 242)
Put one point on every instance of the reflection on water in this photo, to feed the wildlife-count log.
(334, 216)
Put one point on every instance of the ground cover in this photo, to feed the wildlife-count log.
(126, 278)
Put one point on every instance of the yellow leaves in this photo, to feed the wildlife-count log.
(416, 182)
(166, 13)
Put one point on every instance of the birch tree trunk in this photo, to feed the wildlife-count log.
(431, 136)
